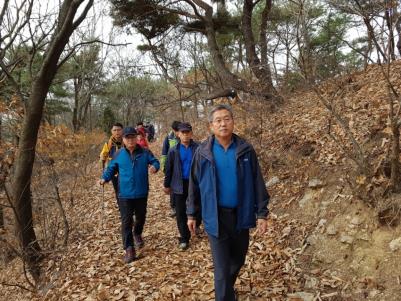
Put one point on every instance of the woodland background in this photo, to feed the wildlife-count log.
(315, 87)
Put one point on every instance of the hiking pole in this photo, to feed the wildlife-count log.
(102, 213)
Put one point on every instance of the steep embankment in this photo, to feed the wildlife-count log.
(347, 253)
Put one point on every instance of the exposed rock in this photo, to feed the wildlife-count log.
(301, 296)
(395, 244)
(315, 183)
(311, 282)
(346, 239)
(356, 221)
(312, 240)
(331, 230)
(272, 181)
(307, 198)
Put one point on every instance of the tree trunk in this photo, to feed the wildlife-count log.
(259, 67)
(29, 132)
(395, 155)
(75, 118)
(229, 79)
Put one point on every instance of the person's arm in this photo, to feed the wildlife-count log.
(261, 195)
(104, 155)
(155, 164)
(110, 171)
(194, 197)
(169, 168)
(163, 156)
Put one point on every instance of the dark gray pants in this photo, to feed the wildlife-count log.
(129, 207)
(228, 252)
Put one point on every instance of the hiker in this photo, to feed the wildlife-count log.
(109, 149)
(132, 163)
(170, 141)
(150, 129)
(176, 179)
(226, 179)
(142, 140)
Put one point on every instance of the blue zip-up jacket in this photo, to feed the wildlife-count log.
(173, 172)
(133, 181)
(253, 197)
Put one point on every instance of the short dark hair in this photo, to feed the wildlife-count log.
(118, 124)
(219, 108)
(139, 123)
(175, 125)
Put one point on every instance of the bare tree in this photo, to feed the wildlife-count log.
(68, 20)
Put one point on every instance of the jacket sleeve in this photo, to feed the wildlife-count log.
(194, 198)
(153, 161)
(104, 154)
(169, 168)
(163, 156)
(261, 195)
(110, 171)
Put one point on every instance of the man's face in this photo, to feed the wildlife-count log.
(130, 141)
(185, 136)
(222, 124)
(116, 132)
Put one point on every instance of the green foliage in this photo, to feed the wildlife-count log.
(108, 119)
(144, 16)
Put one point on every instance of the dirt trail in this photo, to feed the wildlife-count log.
(91, 268)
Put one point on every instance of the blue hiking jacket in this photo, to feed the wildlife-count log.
(133, 181)
(253, 197)
(173, 171)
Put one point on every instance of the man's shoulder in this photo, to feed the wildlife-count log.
(117, 153)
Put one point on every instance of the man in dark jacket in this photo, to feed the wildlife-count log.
(176, 179)
(170, 141)
(109, 149)
(227, 181)
(132, 164)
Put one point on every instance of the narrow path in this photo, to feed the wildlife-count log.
(92, 267)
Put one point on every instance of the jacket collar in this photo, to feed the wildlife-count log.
(192, 143)
(205, 149)
(138, 150)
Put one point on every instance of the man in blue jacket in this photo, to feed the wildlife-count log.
(131, 163)
(226, 179)
(176, 179)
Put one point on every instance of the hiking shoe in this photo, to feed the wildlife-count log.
(138, 241)
(183, 246)
(173, 213)
(129, 255)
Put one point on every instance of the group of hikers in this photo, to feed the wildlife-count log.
(217, 182)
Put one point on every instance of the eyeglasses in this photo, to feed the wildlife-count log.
(219, 121)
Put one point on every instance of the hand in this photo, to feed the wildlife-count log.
(102, 182)
(167, 190)
(192, 226)
(261, 226)
(152, 169)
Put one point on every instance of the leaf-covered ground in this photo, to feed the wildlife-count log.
(92, 268)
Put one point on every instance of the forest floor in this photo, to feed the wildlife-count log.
(327, 240)
(91, 267)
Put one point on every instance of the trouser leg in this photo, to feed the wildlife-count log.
(239, 247)
(140, 215)
(126, 213)
(172, 201)
(114, 181)
(229, 253)
(181, 217)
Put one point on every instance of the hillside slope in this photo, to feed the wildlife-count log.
(324, 242)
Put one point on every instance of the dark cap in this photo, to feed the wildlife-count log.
(127, 131)
(185, 127)
(175, 125)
